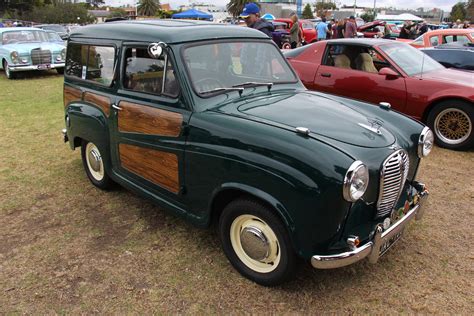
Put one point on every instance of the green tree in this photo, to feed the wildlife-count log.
(148, 7)
(117, 13)
(323, 7)
(307, 12)
(61, 14)
(367, 16)
(458, 12)
(235, 7)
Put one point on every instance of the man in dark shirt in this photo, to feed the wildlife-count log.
(251, 15)
(351, 28)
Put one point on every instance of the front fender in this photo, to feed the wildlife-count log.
(88, 123)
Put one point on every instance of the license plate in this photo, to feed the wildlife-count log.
(389, 243)
(43, 67)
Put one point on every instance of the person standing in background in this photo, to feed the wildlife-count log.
(295, 34)
(351, 28)
(251, 15)
(340, 29)
(322, 29)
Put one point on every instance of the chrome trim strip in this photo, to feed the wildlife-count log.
(372, 248)
(35, 67)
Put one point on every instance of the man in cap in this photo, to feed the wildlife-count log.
(251, 15)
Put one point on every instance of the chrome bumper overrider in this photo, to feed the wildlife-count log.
(14, 68)
(371, 249)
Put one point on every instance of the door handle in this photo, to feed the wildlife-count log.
(115, 106)
(325, 74)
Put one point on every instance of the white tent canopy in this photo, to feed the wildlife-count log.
(398, 17)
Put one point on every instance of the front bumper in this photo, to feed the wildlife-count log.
(376, 247)
(15, 68)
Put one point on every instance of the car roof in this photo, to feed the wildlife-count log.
(364, 41)
(449, 31)
(7, 29)
(168, 31)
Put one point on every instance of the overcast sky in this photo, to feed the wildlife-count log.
(412, 4)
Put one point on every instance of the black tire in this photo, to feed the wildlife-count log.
(8, 73)
(60, 71)
(281, 271)
(452, 123)
(98, 177)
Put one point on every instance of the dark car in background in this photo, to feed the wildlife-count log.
(61, 30)
(281, 35)
(453, 55)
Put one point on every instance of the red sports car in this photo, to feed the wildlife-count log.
(307, 27)
(377, 70)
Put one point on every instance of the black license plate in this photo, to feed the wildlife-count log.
(389, 243)
(44, 67)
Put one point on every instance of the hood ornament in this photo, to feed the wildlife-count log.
(374, 127)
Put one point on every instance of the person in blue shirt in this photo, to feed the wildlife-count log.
(322, 29)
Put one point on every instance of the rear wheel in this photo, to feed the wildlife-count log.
(286, 45)
(94, 166)
(452, 124)
(256, 242)
(8, 73)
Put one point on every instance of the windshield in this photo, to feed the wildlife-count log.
(13, 37)
(411, 60)
(230, 64)
(56, 28)
(54, 37)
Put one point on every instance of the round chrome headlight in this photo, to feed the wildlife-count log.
(425, 142)
(63, 54)
(15, 57)
(356, 181)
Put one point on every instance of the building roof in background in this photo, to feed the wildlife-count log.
(399, 17)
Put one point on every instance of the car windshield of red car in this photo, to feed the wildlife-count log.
(411, 60)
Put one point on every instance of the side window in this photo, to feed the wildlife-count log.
(93, 63)
(455, 38)
(149, 75)
(338, 56)
(419, 40)
(434, 40)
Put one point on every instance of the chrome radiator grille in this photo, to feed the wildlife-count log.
(40, 57)
(392, 179)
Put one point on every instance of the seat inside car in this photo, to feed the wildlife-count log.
(342, 61)
(365, 62)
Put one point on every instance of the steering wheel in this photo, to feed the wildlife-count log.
(206, 84)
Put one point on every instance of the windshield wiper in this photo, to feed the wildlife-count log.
(223, 90)
(255, 84)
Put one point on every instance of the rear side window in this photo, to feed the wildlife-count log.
(149, 75)
(92, 63)
(434, 40)
(455, 38)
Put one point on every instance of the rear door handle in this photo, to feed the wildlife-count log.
(325, 74)
(115, 106)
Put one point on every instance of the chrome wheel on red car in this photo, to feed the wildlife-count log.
(452, 123)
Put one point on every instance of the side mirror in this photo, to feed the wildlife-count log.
(388, 73)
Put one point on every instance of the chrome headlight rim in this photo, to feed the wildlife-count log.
(426, 138)
(63, 54)
(349, 181)
(15, 57)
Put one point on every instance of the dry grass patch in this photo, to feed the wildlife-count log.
(66, 246)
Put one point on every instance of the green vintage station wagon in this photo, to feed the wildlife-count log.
(211, 123)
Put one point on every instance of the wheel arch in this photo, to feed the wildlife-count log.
(437, 101)
(228, 192)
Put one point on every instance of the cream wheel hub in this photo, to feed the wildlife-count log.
(94, 161)
(255, 243)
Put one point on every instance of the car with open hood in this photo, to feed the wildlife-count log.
(379, 70)
(211, 123)
(28, 49)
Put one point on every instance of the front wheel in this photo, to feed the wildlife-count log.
(94, 166)
(256, 242)
(8, 73)
(452, 123)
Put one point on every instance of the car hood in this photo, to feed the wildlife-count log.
(321, 114)
(449, 75)
(25, 48)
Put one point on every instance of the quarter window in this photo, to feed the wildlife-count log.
(92, 63)
(434, 41)
(150, 75)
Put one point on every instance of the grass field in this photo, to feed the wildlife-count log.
(67, 247)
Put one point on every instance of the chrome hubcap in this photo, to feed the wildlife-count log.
(94, 160)
(453, 126)
(254, 243)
